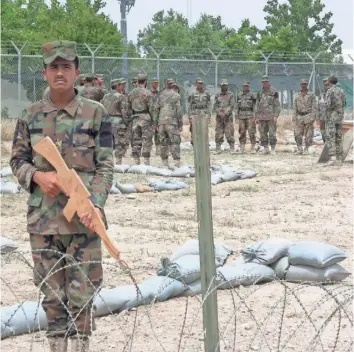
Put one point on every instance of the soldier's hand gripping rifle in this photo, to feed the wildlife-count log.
(79, 197)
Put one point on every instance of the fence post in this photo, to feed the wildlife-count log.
(92, 52)
(205, 233)
(34, 81)
(157, 60)
(266, 58)
(19, 63)
(313, 59)
(216, 58)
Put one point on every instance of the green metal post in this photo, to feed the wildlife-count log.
(205, 233)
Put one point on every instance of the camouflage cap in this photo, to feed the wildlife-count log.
(121, 80)
(156, 80)
(325, 80)
(224, 82)
(246, 83)
(142, 77)
(81, 76)
(60, 48)
(265, 78)
(135, 79)
(304, 81)
(90, 76)
(169, 80)
(98, 75)
(199, 80)
(331, 77)
(175, 85)
(114, 81)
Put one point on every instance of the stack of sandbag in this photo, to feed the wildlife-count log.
(6, 171)
(7, 245)
(169, 185)
(7, 187)
(312, 261)
(184, 264)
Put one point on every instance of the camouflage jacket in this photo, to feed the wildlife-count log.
(305, 107)
(335, 102)
(91, 92)
(141, 104)
(83, 135)
(224, 103)
(321, 107)
(46, 93)
(245, 105)
(267, 105)
(116, 105)
(199, 102)
(168, 108)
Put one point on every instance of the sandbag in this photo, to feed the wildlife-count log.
(193, 289)
(281, 267)
(246, 174)
(267, 251)
(7, 187)
(121, 168)
(6, 171)
(316, 254)
(7, 245)
(158, 171)
(22, 318)
(216, 178)
(299, 273)
(229, 276)
(183, 171)
(125, 188)
(138, 169)
(186, 146)
(230, 176)
(170, 185)
(115, 190)
(185, 269)
(191, 247)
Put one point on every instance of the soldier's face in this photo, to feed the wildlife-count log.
(61, 74)
(154, 85)
(224, 88)
(245, 88)
(303, 86)
(199, 86)
(266, 84)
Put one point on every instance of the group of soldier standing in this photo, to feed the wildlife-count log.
(144, 115)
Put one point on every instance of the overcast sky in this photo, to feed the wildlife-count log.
(231, 12)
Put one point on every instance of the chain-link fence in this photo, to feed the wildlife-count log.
(22, 81)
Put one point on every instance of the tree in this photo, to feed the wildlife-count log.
(303, 22)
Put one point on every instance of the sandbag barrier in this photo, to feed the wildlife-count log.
(273, 259)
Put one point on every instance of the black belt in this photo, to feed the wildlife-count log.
(141, 112)
(303, 113)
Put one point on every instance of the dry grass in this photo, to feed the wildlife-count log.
(7, 129)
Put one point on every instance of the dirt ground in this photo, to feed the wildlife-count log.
(291, 197)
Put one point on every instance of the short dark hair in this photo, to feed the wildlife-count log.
(113, 86)
(76, 62)
(89, 79)
(333, 79)
(141, 81)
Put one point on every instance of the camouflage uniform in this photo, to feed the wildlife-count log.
(90, 91)
(335, 101)
(140, 102)
(168, 118)
(80, 81)
(304, 116)
(155, 95)
(321, 111)
(116, 105)
(245, 112)
(199, 104)
(267, 110)
(223, 107)
(46, 93)
(82, 133)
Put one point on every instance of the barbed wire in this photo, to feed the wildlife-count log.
(270, 316)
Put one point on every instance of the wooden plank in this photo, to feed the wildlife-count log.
(205, 233)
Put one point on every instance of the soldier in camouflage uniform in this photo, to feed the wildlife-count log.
(82, 132)
(335, 102)
(99, 82)
(224, 103)
(321, 110)
(80, 81)
(168, 118)
(141, 109)
(304, 116)
(116, 104)
(89, 91)
(46, 93)
(199, 104)
(267, 113)
(245, 112)
(155, 93)
(135, 82)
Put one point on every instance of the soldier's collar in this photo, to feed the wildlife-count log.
(70, 108)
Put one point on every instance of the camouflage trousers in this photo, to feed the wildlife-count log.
(334, 131)
(143, 132)
(157, 138)
(245, 125)
(323, 130)
(268, 133)
(129, 134)
(67, 281)
(170, 136)
(121, 143)
(224, 126)
(303, 129)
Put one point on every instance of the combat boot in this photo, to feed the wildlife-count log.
(218, 149)
(298, 151)
(119, 160)
(147, 161)
(137, 161)
(339, 160)
(242, 148)
(58, 344)
(80, 344)
(232, 147)
(165, 163)
(331, 162)
(265, 151)
(158, 150)
(177, 163)
(253, 149)
(306, 151)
